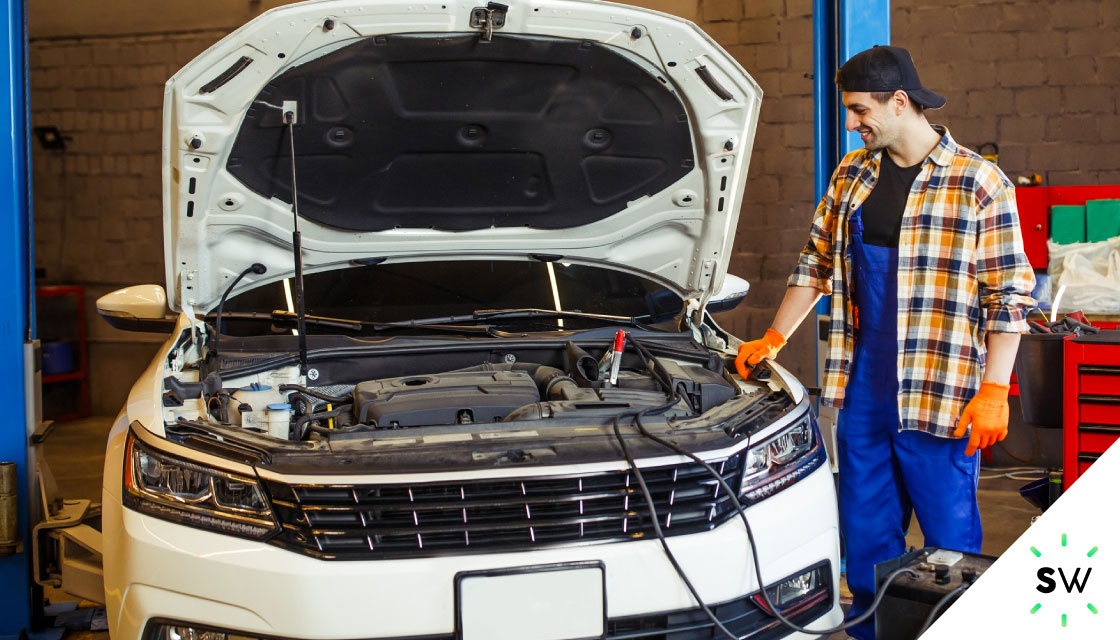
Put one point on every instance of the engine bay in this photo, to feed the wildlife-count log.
(569, 385)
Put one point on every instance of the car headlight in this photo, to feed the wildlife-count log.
(171, 488)
(173, 630)
(782, 459)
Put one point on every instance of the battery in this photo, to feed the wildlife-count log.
(908, 601)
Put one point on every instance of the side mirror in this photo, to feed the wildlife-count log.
(139, 308)
(733, 292)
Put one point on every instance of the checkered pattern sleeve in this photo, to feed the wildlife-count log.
(1004, 276)
(815, 264)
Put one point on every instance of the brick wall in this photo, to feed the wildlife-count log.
(1040, 78)
(98, 215)
(773, 40)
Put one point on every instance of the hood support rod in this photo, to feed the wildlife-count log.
(297, 248)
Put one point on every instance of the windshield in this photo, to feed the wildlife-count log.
(418, 290)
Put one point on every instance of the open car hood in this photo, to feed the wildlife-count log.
(588, 131)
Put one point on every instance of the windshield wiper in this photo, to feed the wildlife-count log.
(357, 326)
(486, 314)
(287, 316)
(519, 314)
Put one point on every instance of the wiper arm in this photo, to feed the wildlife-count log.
(287, 316)
(484, 314)
(357, 326)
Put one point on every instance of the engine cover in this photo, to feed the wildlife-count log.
(459, 397)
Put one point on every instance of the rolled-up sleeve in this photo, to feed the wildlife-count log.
(1004, 276)
(815, 264)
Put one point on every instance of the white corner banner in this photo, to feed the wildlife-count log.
(1060, 579)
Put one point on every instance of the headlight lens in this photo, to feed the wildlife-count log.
(170, 630)
(174, 489)
(782, 459)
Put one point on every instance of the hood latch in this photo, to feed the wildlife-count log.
(489, 18)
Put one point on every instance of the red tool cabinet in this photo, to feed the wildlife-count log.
(1091, 410)
(1034, 213)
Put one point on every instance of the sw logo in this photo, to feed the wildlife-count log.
(1071, 581)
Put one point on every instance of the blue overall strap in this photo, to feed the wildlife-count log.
(882, 468)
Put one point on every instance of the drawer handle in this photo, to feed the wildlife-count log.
(1091, 399)
(1088, 457)
(1098, 428)
(1098, 370)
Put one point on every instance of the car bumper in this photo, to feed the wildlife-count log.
(161, 570)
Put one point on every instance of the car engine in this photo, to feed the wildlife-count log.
(484, 393)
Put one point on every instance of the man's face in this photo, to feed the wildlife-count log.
(879, 124)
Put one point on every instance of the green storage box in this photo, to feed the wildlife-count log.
(1102, 220)
(1067, 223)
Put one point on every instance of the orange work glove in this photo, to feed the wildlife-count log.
(751, 353)
(987, 413)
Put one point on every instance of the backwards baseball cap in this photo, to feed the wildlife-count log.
(883, 68)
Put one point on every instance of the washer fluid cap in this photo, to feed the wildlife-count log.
(280, 407)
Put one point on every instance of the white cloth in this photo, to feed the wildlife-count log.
(1090, 272)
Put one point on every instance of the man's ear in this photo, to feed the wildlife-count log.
(900, 102)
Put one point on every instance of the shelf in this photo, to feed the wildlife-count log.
(75, 330)
(64, 377)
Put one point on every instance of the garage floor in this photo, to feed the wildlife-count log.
(76, 452)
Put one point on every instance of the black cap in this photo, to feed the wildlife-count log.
(883, 68)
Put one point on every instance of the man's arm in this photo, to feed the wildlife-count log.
(811, 278)
(1005, 280)
(796, 305)
(1002, 348)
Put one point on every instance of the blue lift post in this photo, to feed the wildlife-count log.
(16, 312)
(841, 29)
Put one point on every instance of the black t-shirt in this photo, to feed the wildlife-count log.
(882, 211)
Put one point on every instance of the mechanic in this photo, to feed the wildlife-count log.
(917, 240)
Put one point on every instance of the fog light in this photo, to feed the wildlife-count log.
(797, 592)
(790, 591)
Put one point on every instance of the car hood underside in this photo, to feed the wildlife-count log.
(587, 132)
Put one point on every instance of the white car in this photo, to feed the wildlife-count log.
(431, 435)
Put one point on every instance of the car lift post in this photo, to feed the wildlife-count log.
(841, 29)
(16, 330)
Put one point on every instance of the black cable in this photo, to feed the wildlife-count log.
(661, 535)
(256, 268)
(754, 548)
(733, 495)
(941, 603)
(314, 394)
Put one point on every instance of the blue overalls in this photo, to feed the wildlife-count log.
(882, 468)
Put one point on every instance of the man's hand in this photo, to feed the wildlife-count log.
(751, 353)
(987, 413)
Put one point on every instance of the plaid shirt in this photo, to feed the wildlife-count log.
(961, 273)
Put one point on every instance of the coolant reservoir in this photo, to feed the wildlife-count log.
(279, 418)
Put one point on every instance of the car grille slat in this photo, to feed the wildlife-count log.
(397, 520)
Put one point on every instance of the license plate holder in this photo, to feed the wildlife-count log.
(542, 602)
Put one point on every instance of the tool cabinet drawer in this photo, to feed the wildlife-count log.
(1096, 438)
(1099, 379)
(1099, 409)
(1086, 459)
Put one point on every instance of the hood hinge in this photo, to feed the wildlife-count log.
(489, 18)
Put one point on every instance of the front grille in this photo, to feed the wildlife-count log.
(358, 522)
